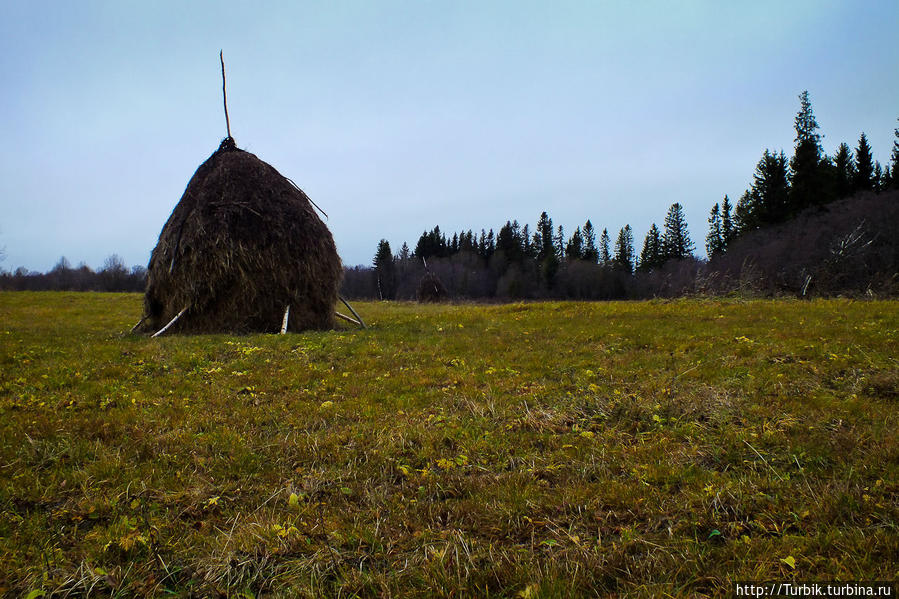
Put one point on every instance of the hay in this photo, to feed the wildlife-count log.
(241, 245)
(431, 289)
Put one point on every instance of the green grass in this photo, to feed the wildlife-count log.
(525, 450)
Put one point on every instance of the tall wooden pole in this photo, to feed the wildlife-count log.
(224, 93)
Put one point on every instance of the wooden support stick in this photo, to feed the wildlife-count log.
(297, 187)
(224, 94)
(356, 314)
(139, 322)
(284, 322)
(171, 322)
(348, 319)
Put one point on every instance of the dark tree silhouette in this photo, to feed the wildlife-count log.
(767, 201)
(605, 254)
(864, 166)
(728, 229)
(651, 255)
(559, 243)
(624, 250)
(714, 240)
(807, 183)
(844, 171)
(545, 231)
(676, 242)
(385, 271)
(591, 253)
(574, 250)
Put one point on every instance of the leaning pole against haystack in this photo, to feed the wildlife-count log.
(243, 251)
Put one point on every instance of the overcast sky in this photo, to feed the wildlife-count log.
(398, 116)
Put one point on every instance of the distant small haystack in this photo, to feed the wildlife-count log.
(242, 245)
(431, 289)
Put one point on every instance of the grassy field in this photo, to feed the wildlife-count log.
(524, 450)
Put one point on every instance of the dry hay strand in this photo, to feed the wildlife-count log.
(242, 244)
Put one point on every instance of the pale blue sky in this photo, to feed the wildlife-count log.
(398, 116)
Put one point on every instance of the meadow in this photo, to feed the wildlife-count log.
(553, 449)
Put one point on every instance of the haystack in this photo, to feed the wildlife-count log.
(431, 289)
(242, 245)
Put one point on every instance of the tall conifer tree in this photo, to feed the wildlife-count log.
(385, 271)
(651, 255)
(714, 240)
(575, 248)
(605, 254)
(864, 166)
(591, 254)
(624, 250)
(545, 229)
(559, 243)
(807, 181)
(676, 242)
(844, 171)
(767, 201)
(728, 230)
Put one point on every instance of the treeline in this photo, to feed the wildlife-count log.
(114, 276)
(808, 224)
(782, 188)
(518, 262)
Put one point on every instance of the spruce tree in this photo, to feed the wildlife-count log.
(591, 254)
(528, 249)
(767, 201)
(486, 245)
(651, 255)
(728, 230)
(559, 243)
(548, 255)
(807, 184)
(545, 229)
(575, 248)
(536, 246)
(402, 261)
(385, 271)
(605, 255)
(844, 171)
(467, 243)
(864, 166)
(676, 242)
(745, 214)
(770, 189)
(714, 240)
(624, 250)
(432, 243)
(405, 255)
(508, 241)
